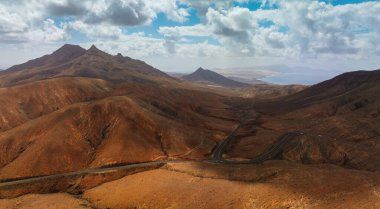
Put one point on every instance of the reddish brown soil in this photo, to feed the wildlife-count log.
(58, 117)
(339, 118)
(105, 132)
(25, 102)
(47, 201)
(272, 185)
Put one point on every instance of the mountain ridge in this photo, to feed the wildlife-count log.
(63, 54)
(73, 60)
(207, 76)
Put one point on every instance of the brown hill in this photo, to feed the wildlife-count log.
(274, 184)
(25, 102)
(57, 116)
(352, 83)
(268, 91)
(64, 54)
(71, 123)
(114, 130)
(340, 119)
(210, 77)
(75, 61)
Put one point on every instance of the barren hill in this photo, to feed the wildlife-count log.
(78, 109)
(29, 101)
(340, 119)
(66, 53)
(210, 77)
(58, 116)
(71, 60)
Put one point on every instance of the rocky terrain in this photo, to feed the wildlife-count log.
(81, 123)
(339, 119)
(209, 77)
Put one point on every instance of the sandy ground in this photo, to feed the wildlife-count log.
(46, 201)
(275, 184)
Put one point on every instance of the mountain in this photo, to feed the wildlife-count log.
(209, 77)
(100, 124)
(76, 109)
(81, 123)
(351, 83)
(268, 91)
(72, 60)
(340, 118)
(176, 75)
(64, 54)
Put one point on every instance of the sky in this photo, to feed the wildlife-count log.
(284, 41)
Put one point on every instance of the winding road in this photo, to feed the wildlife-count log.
(219, 150)
(215, 158)
(271, 153)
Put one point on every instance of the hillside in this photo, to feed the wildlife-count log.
(212, 78)
(350, 84)
(74, 61)
(65, 54)
(268, 91)
(57, 108)
(82, 122)
(29, 101)
(339, 118)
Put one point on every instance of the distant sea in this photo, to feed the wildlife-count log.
(304, 79)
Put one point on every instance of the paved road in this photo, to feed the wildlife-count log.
(272, 152)
(216, 157)
(88, 171)
(219, 150)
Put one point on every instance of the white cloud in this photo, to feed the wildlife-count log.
(99, 31)
(298, 28)
(117, 12)
(18, 25)
(20, 19)
(286, 31)
(202, 6)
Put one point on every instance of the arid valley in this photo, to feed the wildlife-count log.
(189, 104)
(89, 129)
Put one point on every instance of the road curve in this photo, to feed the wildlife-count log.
(218, 151)
(272, 152)
(216, 158)
(11, 182)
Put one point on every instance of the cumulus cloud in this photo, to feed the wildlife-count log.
(117, 12)
(121, 13)
(202, 6)
(318, 27)
(290, 29)
(22, 18)
(19, 25)
(173, 35)
(99, 31)
(66, 8)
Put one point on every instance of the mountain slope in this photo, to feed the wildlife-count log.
(59, 116)
(346, 84)
(114, 130)
(71, 60)
(209, 77)
(340, 118)
(29, 101)
(64, 54)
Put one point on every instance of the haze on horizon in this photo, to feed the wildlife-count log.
(294, 41)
